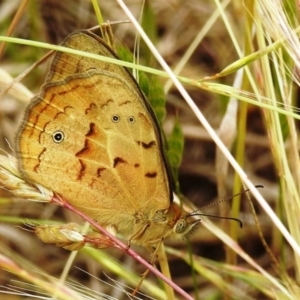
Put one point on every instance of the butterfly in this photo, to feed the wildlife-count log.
(91, 136)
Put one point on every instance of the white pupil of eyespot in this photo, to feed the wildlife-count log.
(131, 119)
(116, 118)
(58, 136)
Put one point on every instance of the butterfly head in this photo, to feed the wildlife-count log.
(183, 224)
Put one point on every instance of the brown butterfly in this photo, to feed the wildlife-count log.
(91, 136)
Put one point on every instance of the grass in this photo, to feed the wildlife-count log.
(238, 62)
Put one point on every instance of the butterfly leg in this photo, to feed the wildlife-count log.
(160, 255)
(153, 260)
(136, 236)
(143, 277)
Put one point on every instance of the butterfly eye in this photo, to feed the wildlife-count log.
(131, 119)
(180, 226)
(58, 136)
(115, 118)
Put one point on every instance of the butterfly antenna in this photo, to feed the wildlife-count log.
(230, 197)
(218, 217)
(217, 202)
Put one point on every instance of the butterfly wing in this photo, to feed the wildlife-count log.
(91, 137)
